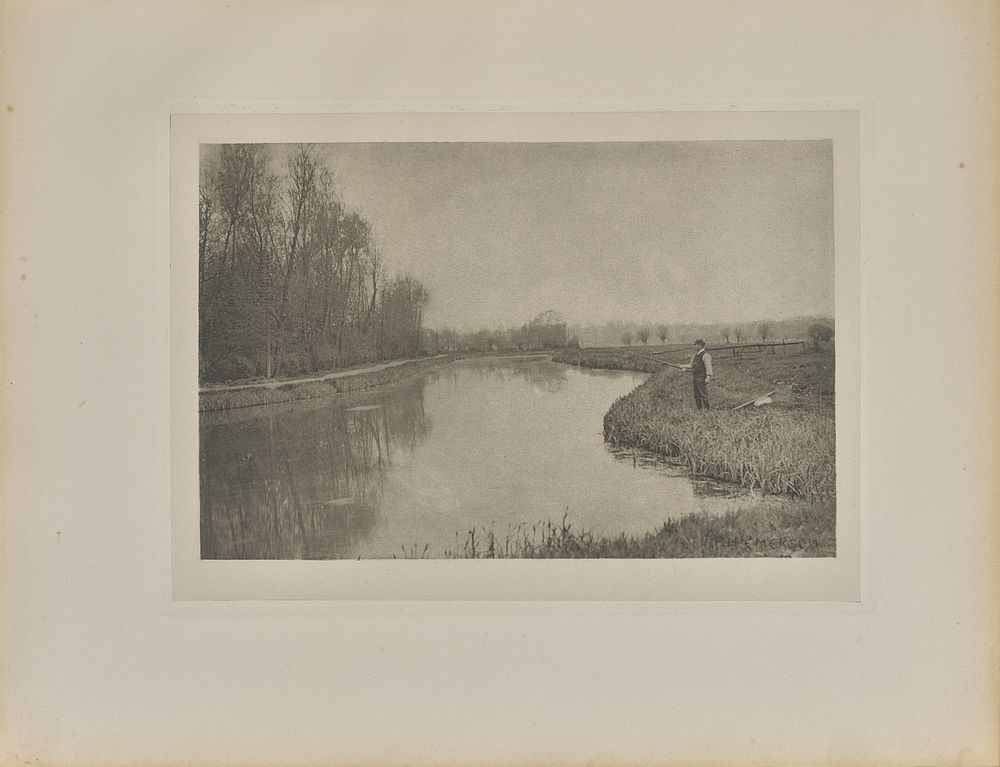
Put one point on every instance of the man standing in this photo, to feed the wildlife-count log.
(701, 369)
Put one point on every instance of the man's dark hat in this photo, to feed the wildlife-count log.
(699, 342)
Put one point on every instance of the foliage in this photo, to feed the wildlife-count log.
(626, 339)
(290, 280)
(546, 330)
(820, 334)
(609, 333)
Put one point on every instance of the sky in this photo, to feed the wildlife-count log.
(692, 231)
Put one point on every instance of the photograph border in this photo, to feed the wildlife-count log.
(836, 579)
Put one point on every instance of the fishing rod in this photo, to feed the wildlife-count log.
(763, 399)
(662, 362)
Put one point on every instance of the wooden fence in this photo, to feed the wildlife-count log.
(738, 349)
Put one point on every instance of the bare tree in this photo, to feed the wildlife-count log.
(820, 333)
(289, 280)
(376, 272)
(643, 335)
(764, 331)
(303, 168)
(662, 331)
(234, 246)
(206, 209)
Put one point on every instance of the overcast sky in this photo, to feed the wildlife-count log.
(668, 231)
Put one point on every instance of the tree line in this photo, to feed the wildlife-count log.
(290, 280)
(549, 330)
(625, 333)
(546, 330)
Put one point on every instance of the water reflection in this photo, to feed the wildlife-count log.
(540, 377)
(302, 481)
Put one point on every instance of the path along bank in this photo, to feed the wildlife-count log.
(241, 394)
(269, 392)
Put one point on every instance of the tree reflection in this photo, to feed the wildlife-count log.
(306, 481)
(544, 379)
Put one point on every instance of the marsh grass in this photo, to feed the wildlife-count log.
(784, 452)
(783, 529)
(413, 552)
(786, 448)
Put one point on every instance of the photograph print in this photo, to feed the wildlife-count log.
(463, 350)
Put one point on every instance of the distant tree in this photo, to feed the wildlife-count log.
(626, 339)
(738, 332)
(547, 330)
(820, 333)
(726, 332)
(573, 343)
(662, 331)
(764, 331)
(644, 335)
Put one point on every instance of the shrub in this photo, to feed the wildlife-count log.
(323, 356)
(820, 334)
(233, 367)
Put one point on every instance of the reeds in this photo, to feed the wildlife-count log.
(413, 552)
(788, 448)
(784, 452)
(777, 529)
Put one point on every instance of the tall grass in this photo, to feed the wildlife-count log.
(785, 452)
(787, 448)
(785, 529)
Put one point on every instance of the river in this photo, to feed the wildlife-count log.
(410, 469)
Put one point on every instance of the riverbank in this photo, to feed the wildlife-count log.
(786, 448)
(253, 393)
(775, 529)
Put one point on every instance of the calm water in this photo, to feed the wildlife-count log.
(477, 443)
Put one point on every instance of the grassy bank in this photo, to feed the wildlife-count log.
(787, 448)
(776, 529)
(784, 448)
(292, 391)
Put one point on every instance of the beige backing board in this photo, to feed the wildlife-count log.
(119, 647)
